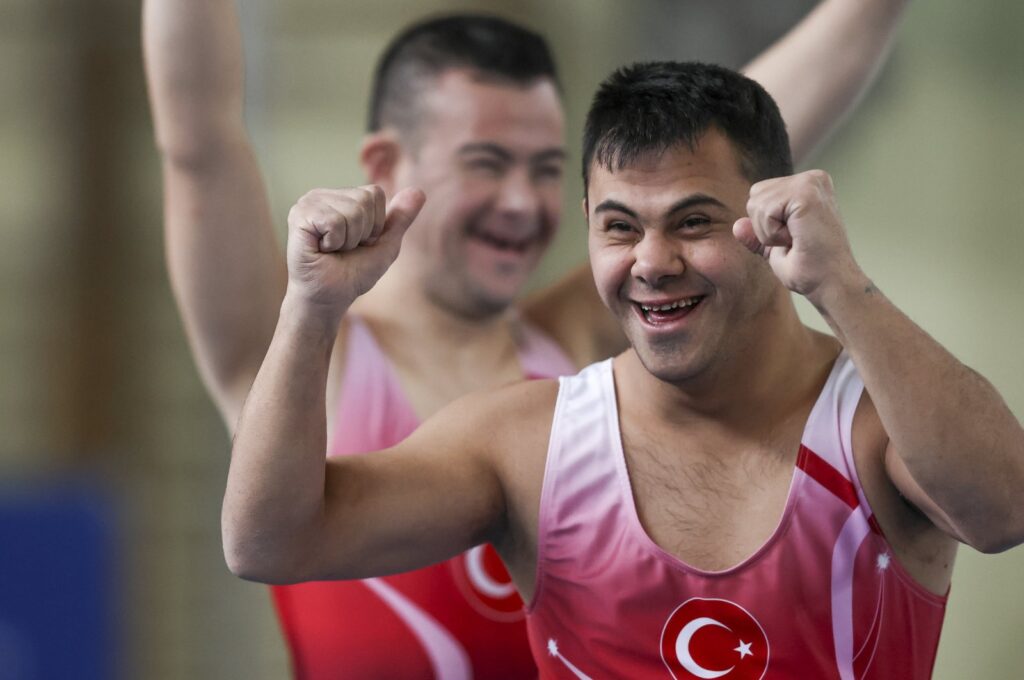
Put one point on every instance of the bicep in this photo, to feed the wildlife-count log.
(432, 496)
(897, 499)
(912, 492)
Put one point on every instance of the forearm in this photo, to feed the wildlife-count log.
(818, 71)
(194, 71)
(227, 272)
(274, 503)
(949, 427)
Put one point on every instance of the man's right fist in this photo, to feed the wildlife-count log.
(341, 241)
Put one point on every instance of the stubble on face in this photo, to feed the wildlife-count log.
(488, 217)
(661, 254)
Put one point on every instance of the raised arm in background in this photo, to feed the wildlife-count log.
(816, 73)
(227, 270)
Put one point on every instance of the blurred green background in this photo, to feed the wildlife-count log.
(95, 376)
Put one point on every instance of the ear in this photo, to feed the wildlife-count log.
(378, 157)
(586, 211)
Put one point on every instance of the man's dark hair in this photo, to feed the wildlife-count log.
(493, 49)
(651, 107)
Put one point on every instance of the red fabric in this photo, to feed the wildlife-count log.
(346, 629)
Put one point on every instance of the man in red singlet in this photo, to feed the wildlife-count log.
(467, 108)
(736, 496)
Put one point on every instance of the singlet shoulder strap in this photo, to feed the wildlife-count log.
(539, 355)
(372, 408)
(828, 437)
(581, 491)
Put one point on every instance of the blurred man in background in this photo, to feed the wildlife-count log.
(468, 109)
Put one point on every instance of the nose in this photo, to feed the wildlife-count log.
(517, 195)
(656, 259)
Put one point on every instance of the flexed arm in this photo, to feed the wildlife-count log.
(288, 514)
(954, 449)
(225, 265)
(818, 71)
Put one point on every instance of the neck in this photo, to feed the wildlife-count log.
(399, 303)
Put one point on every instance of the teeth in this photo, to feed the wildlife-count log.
(687, 302)
(505, 244)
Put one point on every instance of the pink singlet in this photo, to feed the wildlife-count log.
(823, 598)
(455, 620)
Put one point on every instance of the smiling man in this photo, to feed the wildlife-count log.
(467, 108)
(737, 495)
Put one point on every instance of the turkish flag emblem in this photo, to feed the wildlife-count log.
(486, 584)
(708, 639)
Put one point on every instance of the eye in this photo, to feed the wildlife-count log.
(620, 227)
(485, 166)
(547, 172)
(695, 223)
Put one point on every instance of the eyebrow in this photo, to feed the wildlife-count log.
(682, 204)
(505, 155)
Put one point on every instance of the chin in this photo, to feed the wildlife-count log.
(669, 364)
(480, 304)
(495, 294)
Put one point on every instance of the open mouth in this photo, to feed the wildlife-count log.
(658, 314)
(503, 243)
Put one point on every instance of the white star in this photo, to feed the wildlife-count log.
(552, 647)
(744, 649)
(882, 563)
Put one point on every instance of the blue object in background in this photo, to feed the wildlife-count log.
(57, 583)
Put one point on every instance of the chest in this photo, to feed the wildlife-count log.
(712, 503)
(433, 374)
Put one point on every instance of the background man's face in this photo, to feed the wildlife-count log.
(665, 260)
(490, 158)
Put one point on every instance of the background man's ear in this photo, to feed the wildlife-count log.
(379, 157)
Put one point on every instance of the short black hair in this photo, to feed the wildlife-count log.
(653, 106)
(491, 47)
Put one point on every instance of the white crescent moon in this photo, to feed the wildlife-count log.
(683, 648)
(481, 580)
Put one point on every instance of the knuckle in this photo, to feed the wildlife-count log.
(313, 196)
(367, 196)
(820, 177)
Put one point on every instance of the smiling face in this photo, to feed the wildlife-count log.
(665, 261)
(490, 159)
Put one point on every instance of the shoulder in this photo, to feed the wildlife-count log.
(496, 418)
(508, 411)
(510, 427)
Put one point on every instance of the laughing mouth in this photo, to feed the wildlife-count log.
(503, 243)
(669, 311)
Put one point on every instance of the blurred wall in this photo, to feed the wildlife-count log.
(95, 376)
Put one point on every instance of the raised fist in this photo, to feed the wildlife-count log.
(341, 241)
(794, 223)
